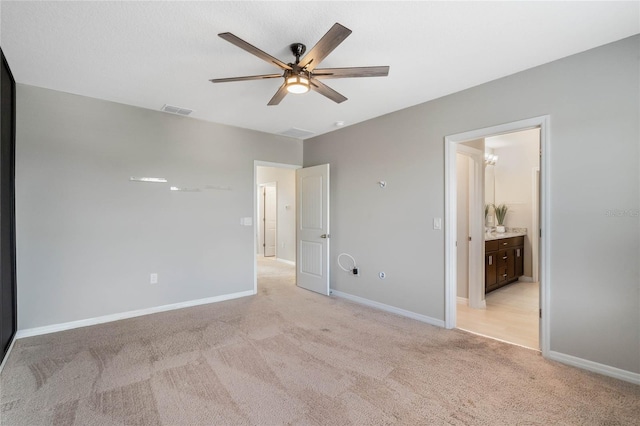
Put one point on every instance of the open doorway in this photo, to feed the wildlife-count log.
(275, 219)
(512, 263)
(510, 311)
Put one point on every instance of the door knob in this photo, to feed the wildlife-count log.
(324, 236)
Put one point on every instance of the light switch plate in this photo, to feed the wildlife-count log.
(437, 223)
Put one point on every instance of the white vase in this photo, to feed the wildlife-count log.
(500, 229)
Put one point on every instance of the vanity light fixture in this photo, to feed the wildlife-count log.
(490, 159)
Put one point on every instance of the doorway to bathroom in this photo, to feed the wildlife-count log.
(495, 284)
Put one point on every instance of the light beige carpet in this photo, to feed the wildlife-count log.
(291, 357)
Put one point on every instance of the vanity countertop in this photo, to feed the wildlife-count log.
(495, 236)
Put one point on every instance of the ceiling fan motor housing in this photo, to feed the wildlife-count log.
(298, 50)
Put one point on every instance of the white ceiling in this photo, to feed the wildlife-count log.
(149, 54)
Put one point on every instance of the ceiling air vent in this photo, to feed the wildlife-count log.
(297, 133)
(176, 110)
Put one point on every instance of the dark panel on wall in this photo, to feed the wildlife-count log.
(8, 317)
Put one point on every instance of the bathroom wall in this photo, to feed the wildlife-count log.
(518, 158)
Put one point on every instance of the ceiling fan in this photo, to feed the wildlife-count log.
(302, 75)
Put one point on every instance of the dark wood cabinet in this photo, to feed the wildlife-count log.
(519, 260)
(490, 270)
(504, 262)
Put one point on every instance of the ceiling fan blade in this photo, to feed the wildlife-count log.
(351, 72)
(253, 50)
(327, 43)
(280, 94)
(249, 77)
(327, 91)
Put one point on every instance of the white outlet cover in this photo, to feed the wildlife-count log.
(153, 278)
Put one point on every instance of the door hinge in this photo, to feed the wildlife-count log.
(540, 312)
(469, 238)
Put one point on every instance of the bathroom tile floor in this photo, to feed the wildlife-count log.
(511, 315)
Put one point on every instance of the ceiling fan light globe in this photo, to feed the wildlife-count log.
(297, 84)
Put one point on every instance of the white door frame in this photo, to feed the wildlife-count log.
(256, 164)
(476, 225)
(535, 232)
(451, 144)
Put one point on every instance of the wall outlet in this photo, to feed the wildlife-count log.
(153, 278)
(382, 275)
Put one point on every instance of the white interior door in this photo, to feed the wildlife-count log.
(471, 237)
(476, 232)
(312, 266)
(270, 222)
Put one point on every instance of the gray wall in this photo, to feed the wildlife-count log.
(88, 238)
(593, 100)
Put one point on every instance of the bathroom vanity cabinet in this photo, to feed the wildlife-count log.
(504, 261)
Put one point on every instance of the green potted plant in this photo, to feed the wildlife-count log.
(487, 223)
(501, 213)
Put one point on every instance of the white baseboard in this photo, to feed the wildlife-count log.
(6, 357)
(130, 314)
(288, 262)
(389, 308)
(525, 279)
(606, 370)
(463, 300)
